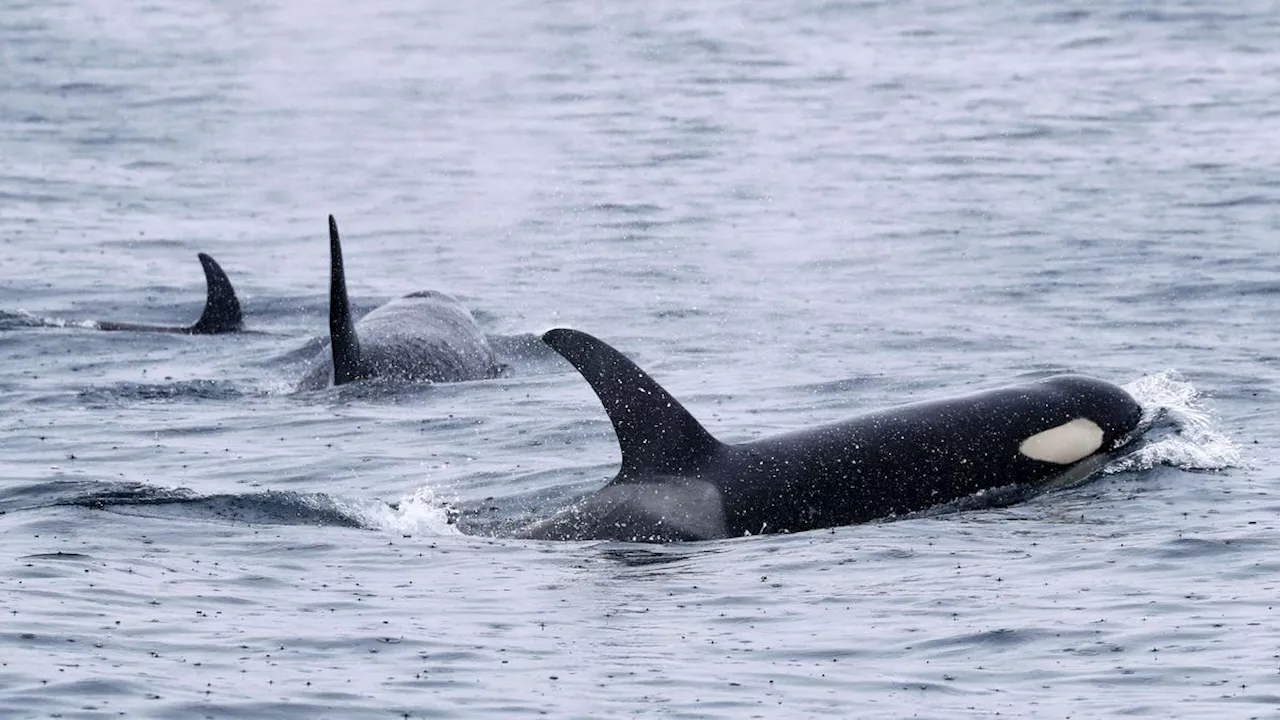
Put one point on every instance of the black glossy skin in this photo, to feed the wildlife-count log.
(221, 309)
(677, 482)
(908, 458)
(425, 336)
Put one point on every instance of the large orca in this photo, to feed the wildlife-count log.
(677, 482)
(221, 308)
(425, 336)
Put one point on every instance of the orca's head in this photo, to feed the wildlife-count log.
(1088, 416)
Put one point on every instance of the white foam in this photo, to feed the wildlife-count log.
(1198, 444)
(34, 320)
(421, 513)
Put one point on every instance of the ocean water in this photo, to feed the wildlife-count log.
(787, 212)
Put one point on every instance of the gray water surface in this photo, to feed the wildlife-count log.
(787, 212)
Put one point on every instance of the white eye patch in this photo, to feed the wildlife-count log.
(1064, 444)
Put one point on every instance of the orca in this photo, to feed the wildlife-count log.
(221, 308)
(678, 483)
(425, 336)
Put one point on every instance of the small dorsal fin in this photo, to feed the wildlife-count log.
(221, 308)
(342, 330)
(655, 433)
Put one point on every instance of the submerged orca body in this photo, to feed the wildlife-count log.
(221, 308)
(425, 336)
(677, 482)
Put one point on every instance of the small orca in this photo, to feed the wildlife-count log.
(221, 308)
(677, 482)
(425, 336)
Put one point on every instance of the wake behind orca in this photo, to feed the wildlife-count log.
(677, 482)
(425, 336)
(221, 308)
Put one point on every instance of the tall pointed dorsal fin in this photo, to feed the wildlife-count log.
(655, 433)
(342, 330)
(221, 308)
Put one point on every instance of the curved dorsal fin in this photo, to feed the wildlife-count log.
(221, 308)
(342, 331)
(655, 433)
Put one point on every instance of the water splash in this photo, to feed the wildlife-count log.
(1198, 442)
(421, 513)
(25, 319)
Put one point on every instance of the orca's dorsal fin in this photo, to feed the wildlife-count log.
(342, 330)
(221, 308)
(656, 434)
